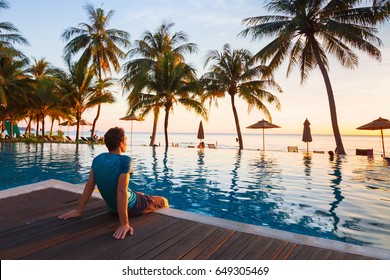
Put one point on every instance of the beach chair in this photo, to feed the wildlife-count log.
(365, 152)
(318, 152)
(292, 149)
(84, 139)
(211, 146)
(68, 139)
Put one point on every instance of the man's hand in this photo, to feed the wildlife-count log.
(70, 214)
(121, 232)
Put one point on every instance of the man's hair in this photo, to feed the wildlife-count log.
(113, 137)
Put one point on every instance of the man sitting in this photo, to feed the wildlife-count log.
(111, 173)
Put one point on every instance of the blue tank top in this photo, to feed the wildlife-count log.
(106, 170)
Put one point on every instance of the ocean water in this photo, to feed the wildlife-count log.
(344, 198)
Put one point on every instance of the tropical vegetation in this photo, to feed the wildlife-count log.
(156, 74)
(146, 55)
(234, 73)
(305, 32)
(99, 46)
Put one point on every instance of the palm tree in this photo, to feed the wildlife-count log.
(99, 45)
(233, 73)
(77, 87)
(306, 31)
(15, 84)
(9, 36)
(148, 50)
(164, 83)
(44, 99)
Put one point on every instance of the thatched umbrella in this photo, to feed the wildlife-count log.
(378, 124)
(263, 124)
(131, 118)
(67, 123)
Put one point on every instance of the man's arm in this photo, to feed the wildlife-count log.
(88, 189)
(122, 205)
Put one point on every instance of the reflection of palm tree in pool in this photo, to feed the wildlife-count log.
(336, 190)
(234, 172)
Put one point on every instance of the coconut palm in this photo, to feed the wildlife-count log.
(305, 32)
(15, 84)
(9, 36)
(44, 99)
(147, 51)
(77, 87)
(99, 46)
(163, 84)
(234, 73)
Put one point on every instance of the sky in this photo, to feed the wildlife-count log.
(361, 95)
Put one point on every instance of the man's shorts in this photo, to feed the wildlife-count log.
(145, 204)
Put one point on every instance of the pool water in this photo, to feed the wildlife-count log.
(345, 199)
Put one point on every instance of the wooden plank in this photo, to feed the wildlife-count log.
(18, 209)
(153, 254)
(336, 255)
(320, 254)
(259, 248)
(45, 238)
(233, 246)
(138, 249)
(87, 234)
(276, 247)
(304, 253)
(105, 246)
(209, 245)
(183, 246)
(286, 251)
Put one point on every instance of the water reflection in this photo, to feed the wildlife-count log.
(307, 162)
(335, 186)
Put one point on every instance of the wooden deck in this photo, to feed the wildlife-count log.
(29, 229)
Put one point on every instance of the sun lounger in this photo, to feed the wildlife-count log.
(68, 139)
(211, 146)
(84, 139)
(365, 152)
(292, 149)
(318, 152)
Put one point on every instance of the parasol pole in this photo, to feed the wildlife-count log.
(131, 135)
(263, 140)
(307, 149)
(383, 144)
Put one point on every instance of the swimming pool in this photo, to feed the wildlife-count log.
(345, 199)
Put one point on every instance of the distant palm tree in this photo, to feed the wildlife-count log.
(100, 46)
(9, 36)
(305, 31)
(44, 99)
(15, 85)
(77, 87)
(164, 83)
(147, 51)
(234, 73)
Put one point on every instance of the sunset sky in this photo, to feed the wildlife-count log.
(362, 95)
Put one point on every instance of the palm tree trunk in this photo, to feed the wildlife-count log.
(37, 127)
(95, 121)
(78, 118)
(332, 103)
(11, 126)
(239, 136)
(51, 127)
(167, 109)
(154, 132)
(28, 128)
(43, 125)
